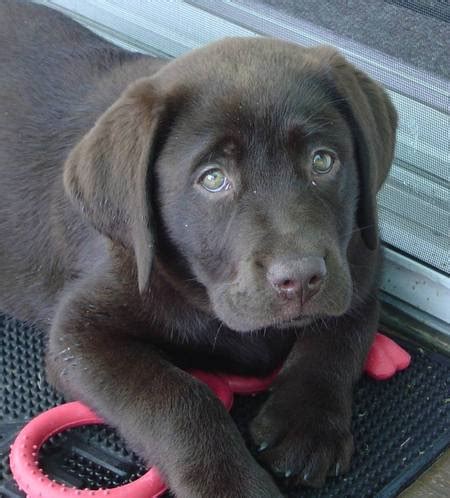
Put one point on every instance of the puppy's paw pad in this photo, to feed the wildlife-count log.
(304, 450)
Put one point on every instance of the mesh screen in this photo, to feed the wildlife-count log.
(399, 28)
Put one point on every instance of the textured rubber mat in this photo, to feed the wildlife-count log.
(400, 425)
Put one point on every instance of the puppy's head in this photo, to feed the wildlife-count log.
(256, 162)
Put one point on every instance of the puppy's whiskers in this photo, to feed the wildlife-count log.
(219, 328)
(358, 229)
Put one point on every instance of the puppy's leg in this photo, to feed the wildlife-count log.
(303, 430)
(170, 419)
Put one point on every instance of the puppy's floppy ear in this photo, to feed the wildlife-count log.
(373, 121)
(107, 175)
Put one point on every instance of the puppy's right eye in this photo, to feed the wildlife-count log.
(214, 180)
(322, 162)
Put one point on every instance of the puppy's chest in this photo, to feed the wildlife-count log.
(192, 339)
(233, 352)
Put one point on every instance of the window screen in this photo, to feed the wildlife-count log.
(403, 44)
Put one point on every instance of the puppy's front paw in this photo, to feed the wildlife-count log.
(235, 478)
(302, 443)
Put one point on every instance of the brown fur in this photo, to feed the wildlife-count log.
(109, 242)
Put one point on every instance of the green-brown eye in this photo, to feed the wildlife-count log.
(214, 180)
(322, 162)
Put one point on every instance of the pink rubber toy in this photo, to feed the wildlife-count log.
(31, 479)
(385, 358)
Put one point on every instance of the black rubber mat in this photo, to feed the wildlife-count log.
(400, 425)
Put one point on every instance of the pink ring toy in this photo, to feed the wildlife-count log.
(249, 385)
(218, 385)
(384, 359)
(32, 480)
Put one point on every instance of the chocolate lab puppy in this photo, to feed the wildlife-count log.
(217, 211)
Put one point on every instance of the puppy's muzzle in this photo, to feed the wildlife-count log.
(297, 279)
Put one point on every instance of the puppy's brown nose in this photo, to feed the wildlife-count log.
(297, 278)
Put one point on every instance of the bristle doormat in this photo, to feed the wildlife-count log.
(400, 426)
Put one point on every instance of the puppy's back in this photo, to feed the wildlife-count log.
(56, 78)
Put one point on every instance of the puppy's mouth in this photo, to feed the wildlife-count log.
(245, 311)
(283, 322)
(278, 315)
(296, 321)
(292, 313)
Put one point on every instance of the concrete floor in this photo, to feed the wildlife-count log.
(434, 483)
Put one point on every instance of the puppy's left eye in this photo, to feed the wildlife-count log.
(214, 180)
(322, 162)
